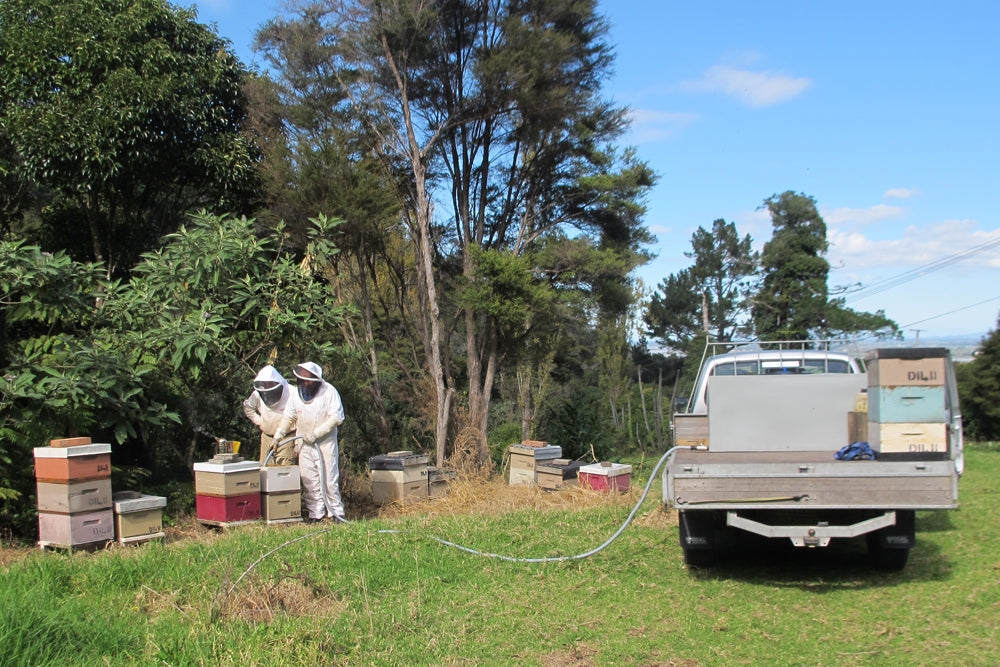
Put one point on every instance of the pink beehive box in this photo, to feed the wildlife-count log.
(228, 509)
(605, 476)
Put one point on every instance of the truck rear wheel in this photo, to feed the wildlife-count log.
(889, 548)
(697, 533)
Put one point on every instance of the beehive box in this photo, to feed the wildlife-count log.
(89, 495)
(606, 476)
(691, 430)
(76, 463)
(558, 474)
(913, 367)
(282, 507)
(227, 479)
(909, 441)
(438, 481)
(75, 530)
(522, 477)
(138, 517)
(280, 479)
(907, 404)
(227, 510)
(404, 493)
(524, 459)
(403, 467)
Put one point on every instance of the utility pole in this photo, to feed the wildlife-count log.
(916, 341)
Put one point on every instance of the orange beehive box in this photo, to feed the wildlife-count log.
(69, 464)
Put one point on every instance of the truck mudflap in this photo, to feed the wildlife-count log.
(817, 535)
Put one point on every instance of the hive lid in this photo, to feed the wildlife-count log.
(133, 501)
(540, 452)
(67, 452)
(568, 469)
(606, 468)
(396, 461)
(237, 466)
(439, 474)
(907, 353)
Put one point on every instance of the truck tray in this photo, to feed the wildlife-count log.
(807, 480)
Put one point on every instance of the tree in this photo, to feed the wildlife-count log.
(129, 113)
(793, 302)
(499, 104)
(214, 304)
(62, 370)
(979, 389)
(711, 295)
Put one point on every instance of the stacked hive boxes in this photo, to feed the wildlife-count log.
(526, 456)
(138, 517)
(282, 494)
(438, 481)
(399, 477)
(557, 474)
(606, 476)
(908, 403)
(74, 494)
(227, 491)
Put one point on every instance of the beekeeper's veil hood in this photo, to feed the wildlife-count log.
(270, 384)
(310, 377)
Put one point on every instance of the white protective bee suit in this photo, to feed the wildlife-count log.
(315, 413)
(265, 407)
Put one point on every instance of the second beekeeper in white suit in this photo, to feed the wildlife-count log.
(314, 412)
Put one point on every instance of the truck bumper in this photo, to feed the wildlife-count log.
(818, 535)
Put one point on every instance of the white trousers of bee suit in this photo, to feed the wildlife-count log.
(313, 482)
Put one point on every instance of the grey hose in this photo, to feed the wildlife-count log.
(586, 554)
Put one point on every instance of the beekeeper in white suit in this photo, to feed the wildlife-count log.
(265, 407)
(315, 412)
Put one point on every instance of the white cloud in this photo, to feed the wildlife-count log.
(755, 89)
(861, 216)
(900, 193)
(916, 247)
(650, 125)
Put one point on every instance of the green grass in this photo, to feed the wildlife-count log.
(354, 596)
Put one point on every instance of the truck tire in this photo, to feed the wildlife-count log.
(889, 548)
(697, 535)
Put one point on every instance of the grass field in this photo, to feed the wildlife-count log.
(352, 595)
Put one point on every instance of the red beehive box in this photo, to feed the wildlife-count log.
(70, 464)
(228, 509)
(605, 476)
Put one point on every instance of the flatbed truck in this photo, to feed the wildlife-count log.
(762, 430)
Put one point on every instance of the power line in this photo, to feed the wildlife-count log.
(880, 286)
(950, 312)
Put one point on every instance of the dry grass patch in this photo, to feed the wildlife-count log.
(260, 601)
(492, 495)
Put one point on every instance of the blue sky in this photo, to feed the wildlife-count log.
(883, 112)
